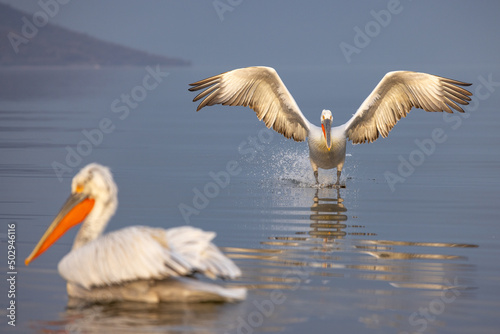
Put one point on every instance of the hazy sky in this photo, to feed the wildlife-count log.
(290, 33)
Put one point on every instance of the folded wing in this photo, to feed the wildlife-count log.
(140, 253)
(396, 95)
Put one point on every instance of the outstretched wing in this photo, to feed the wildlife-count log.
(394, 97)
(261, 89)
(139, 252)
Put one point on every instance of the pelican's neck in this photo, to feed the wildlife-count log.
(96, 221)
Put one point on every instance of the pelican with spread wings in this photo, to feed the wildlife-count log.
(261, 89)
(137, 263)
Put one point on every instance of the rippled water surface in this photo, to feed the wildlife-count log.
(415, 255)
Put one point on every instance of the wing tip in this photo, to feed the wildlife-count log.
(466, 84)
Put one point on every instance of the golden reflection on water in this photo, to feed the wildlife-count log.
(321, 247)
(313, 250)
(324, 243)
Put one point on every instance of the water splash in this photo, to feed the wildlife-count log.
(291, 166)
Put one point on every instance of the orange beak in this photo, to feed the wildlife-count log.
(73, 212)
(326, 125)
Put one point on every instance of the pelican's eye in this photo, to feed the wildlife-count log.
(79, 188)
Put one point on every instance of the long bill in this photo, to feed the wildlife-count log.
(73, 212)
(326, 125)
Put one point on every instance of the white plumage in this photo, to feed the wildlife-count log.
(136, 263)
(140, 252)
(261, 89)
(396, 94)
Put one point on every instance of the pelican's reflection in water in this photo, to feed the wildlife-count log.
(304, 240)
(330, 263)
(328, 217)
(131, 317)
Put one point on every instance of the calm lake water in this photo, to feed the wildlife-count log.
(378, 256)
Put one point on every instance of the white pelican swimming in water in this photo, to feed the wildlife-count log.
(137, 263)
(261, 89)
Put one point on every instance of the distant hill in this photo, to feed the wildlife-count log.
(23, 43)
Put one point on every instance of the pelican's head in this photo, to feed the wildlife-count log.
(326, 125)
(93, 193)
(96, 182)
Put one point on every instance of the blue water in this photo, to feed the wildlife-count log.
(420, 256)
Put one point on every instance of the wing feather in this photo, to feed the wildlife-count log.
(261, 89)
(140, 252)
(396, 94)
